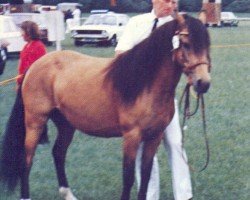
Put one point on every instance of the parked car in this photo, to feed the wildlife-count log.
(38, 18)
(67, 6)
(11, 34)
(100, 28)
(229, 19)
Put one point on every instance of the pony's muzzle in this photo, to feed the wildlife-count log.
(201, 86)
(201, 78)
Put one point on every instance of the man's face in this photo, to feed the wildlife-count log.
(164, 7)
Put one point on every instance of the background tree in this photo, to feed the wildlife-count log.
(142, 5)
(16, 1)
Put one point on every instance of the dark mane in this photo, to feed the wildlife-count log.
(137, 68)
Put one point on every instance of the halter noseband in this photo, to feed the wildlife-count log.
(187, 70)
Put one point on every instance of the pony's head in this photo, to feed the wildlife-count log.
(191, 51)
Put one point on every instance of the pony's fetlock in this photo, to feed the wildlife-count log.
(66, 193)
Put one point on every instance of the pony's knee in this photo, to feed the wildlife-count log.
(66, 193)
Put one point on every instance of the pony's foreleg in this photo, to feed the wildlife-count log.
(131, 141)
(149, 149)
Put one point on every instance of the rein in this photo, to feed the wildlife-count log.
(187, 114)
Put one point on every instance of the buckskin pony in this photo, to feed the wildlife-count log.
(130, 96)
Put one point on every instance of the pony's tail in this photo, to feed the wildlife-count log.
(12, 160)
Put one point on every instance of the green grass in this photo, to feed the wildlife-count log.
(94, 164)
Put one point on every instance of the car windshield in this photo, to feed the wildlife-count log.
(101, 20)
(227, 15)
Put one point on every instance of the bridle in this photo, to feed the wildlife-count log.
(177, 44)
(188, 70)
(200, 99)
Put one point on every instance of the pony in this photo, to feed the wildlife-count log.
(129, 96)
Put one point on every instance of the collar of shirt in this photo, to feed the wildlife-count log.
(161, 20)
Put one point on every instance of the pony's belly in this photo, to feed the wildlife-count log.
(99, 124)
(104, 133)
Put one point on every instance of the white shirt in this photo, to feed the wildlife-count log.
(76, 14)
(139, 28)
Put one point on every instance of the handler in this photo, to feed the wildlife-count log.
(137, 29)
(32, 51)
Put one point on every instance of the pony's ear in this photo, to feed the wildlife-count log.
(202, 16)
(180, 19)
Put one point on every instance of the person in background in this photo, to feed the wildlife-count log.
(77, 15)
(137, 29)
(75, 21)
(32, 51)
(68, 15)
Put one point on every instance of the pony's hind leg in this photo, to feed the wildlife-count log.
(64, 138)
(34, 124)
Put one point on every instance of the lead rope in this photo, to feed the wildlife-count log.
(187, 114)
(205, 133)
(5, 82)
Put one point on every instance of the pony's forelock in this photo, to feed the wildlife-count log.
(198, 34)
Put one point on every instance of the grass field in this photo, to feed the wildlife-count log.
(94, 164)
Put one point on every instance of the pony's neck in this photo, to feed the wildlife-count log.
(137, 69)
(152, 51)
(169, 78)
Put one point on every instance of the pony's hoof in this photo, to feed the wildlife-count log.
(66, 193)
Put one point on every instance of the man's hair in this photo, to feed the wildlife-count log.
(31, 29)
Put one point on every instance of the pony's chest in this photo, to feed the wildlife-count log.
(149, 116)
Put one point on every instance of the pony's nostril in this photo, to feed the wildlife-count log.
(202, 86)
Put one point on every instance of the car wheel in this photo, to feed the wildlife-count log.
(113, 41)
(78, 43)
(49, 43)
(236, 24)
